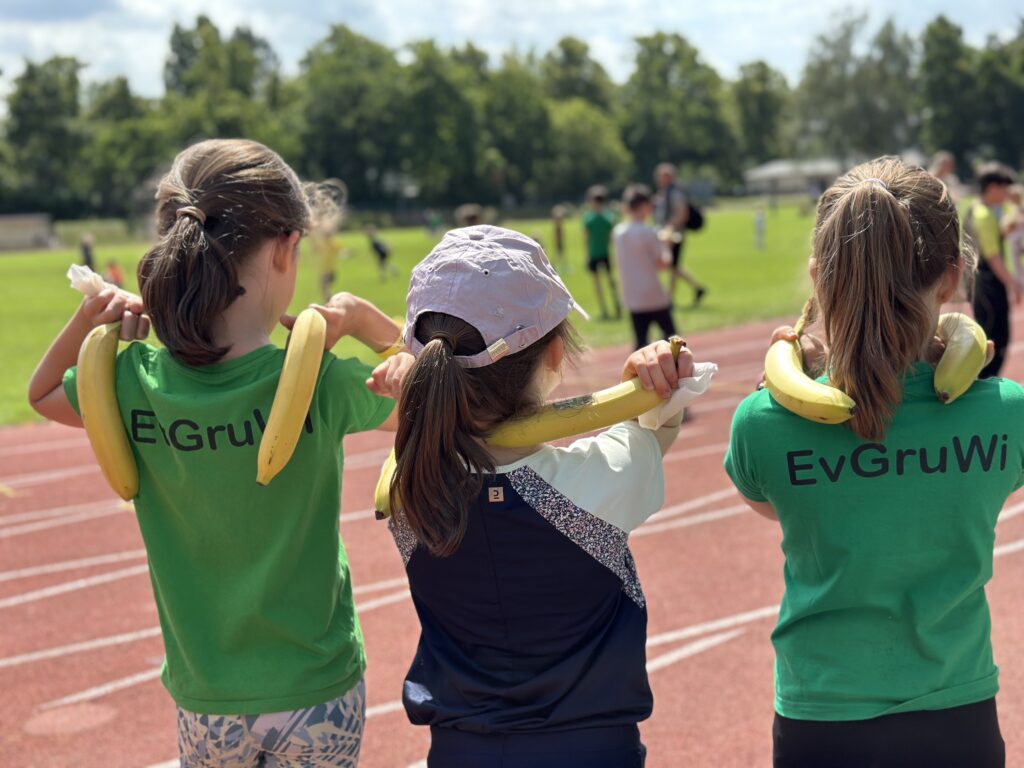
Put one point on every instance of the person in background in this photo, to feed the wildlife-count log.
(87, 255)
(533, 622)
(671, 212)
(468, 215)
(598, 223)
(326, 247)
(994, 285)
(1014, 229)
(113, 274)
(759, 224)
(642, 257)
(558, 214)
(883, 646)
(383, 253)
(943, 168)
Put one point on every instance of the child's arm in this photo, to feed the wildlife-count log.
(657, 371)
(45, 390)
(349, 315)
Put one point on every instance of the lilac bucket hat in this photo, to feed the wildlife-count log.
(497, 280)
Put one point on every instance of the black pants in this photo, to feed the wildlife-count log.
(642, 324)
(992, 311)
(961, 737)
(611, 747)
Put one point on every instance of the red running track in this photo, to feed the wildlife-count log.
(80, 651)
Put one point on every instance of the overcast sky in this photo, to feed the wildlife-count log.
(130, 36)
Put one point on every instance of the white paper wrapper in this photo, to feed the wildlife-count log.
(85, 281)
(689, 390)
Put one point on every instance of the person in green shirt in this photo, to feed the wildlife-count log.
(598, 223)
(264, 654)
(994, 284)
(883, 652)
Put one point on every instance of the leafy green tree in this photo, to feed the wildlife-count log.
(672, 109)
(515, 115)
(999, 95)
(198, 59)
(886, 91)
(947, 89)
(568, 71)
(251, 63)
(113, 100)
(586, 150)
(45, 136)
(761, 98)
(443, 127)
(352, 95)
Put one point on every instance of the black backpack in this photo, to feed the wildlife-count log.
(696, 219)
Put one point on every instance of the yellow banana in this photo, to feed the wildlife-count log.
(294, 394)
(795, 391)
(97, 400)
(562, 418)
(963, 358)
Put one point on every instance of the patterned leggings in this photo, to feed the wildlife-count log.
(325, 736)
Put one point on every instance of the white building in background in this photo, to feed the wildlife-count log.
(21, 231)
(789, 176)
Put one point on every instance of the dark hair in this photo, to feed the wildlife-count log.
(597, 193)
(446, 411)
(994, 173)
(219, 202)
(886, 232)
(636, 195)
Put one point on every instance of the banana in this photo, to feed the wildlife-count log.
(795, 391)
(963, 358)
(294, 394)
(562, 418)
(97, 400)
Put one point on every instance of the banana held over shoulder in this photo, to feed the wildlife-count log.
(562, 418)
(958, 368)
(963, 358)
(294, 394)
(97, 400)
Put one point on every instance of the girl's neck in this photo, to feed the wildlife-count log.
(244, 325)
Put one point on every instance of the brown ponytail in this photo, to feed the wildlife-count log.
(885, 234)
(219, 202)
(446, 412)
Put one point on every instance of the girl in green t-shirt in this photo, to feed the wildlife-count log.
(264, 652)
(883, 645)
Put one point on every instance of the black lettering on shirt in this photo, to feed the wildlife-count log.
(259, 420)
(833, 475)
(901, 455)
(1002, 453)
(927, 468)
(791, 458)
(195, 439)
(139, 426)
(881, 463)
(211, 435)
(233, 439)
(964, 460)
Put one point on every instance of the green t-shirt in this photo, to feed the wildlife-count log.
(251, 583)
(599, 225)
(888, 547)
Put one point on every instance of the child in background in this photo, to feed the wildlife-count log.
(759, 227)
(642, 257)
(558, 214)
(382, 252)
(883, 644)
(533, 622)
(264, 655)
(598, 223)
(87, 246)
(113, 274)
(1014, 229)
(326, 248)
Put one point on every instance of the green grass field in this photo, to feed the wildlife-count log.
(744, 284)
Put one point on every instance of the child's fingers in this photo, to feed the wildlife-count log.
(129, 326)
(143, 329)
(112, 313)
(288, 321)
(783, 333)
(667, 363)
(658, 378)
(684, 363)
(990, 352)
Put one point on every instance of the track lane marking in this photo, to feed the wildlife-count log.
(82, 647)
(691, 649)
(57, 522)
(73, 586)
(51, 512)
(105, 689)
(70, 565)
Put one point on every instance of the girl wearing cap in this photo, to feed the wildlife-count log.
(883, 653)
(533, 622)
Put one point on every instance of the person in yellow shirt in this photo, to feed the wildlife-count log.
(994, 284)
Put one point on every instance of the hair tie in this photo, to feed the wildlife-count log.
(445, 338)
(191, 210)
(879, 182)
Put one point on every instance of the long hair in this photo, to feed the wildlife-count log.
(446, 412)
(219, 202)
(885, 234)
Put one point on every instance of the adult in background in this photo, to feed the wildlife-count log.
(671, 212)
(943, 167)
(994, 284)
(87, 246)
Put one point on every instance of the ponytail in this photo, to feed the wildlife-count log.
(885, 234)
(446, 412)
(221, 200)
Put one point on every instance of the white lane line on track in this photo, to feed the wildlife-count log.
(377, 586)
(1009, 512)
(100, 691)
(72, 586)
(87, 645)
(692, 453)
(44, 446)
(691, 649)
(715, 625)
(70, 565)
(49, 475)
(380, 602)
(685, 522)
(46, 514)
(686, 506)
(114, 508)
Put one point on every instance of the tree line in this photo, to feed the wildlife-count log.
(447, 125)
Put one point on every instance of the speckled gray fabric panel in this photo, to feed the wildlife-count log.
(602, 541)
(328, 735)
(403, 535)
